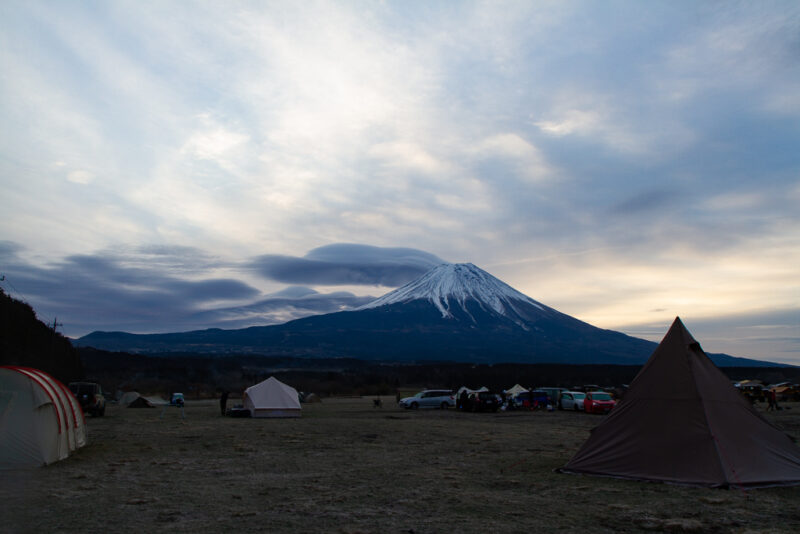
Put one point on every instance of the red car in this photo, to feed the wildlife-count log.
(598, 402)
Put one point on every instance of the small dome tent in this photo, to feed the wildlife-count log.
(142, 402)
(132, 399)
(272, 398)
(128, 397)
(40, 421)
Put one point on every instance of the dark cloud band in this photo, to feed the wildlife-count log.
(348, 264)
(162, 289)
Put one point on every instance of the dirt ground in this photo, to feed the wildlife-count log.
(348, 467)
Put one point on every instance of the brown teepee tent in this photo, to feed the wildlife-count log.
(682, 421)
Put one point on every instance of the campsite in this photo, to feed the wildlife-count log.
(682, 451)
(347, 466)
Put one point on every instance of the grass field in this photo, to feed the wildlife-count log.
(348, 467)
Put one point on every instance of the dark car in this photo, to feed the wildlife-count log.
(90, 397)
(483, 401)
(531, 400)
(553, 395)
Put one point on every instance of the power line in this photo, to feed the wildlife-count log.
(23, 298)
(17, 291)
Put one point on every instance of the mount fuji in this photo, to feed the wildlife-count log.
(454, 312)
(455, 288)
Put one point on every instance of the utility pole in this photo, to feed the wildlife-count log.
(56, 324)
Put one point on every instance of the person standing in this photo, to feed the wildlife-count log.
(223, 401)
(773, 395)
(462, 400)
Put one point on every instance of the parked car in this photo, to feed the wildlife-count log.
(553, 394)
(598, 402)
(483, 401)
(429, 398)
(90, 397)
(572, 400)
(530, 400)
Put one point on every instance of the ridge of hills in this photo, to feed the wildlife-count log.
(454, 313)
(26, 341)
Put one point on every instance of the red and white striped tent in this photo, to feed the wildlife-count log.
(41, 422)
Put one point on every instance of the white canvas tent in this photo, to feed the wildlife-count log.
(515, 390)
(41, 422)
(272, 398)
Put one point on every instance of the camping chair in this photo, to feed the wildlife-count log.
(164, 409)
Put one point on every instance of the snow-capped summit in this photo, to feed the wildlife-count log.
(458, 287)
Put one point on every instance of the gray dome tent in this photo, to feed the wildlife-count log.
(682, 421)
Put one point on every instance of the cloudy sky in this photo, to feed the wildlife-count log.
(178, 165)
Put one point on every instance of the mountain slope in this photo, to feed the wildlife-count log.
(27, 341)
(455, 312)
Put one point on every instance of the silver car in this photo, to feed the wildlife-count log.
(430, 398)
(572, 400)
